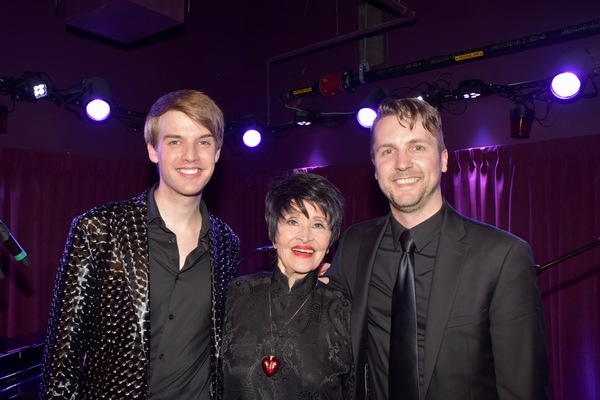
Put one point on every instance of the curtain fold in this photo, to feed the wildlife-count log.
(40, 194)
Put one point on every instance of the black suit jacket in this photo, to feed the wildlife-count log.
(485, 335)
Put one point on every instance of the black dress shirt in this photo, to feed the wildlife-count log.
(314, 348)
(426, 237)
(180, 309)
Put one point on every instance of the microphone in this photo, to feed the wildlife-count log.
(8, 240)
(263, 249)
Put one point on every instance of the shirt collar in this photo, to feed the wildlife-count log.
(422, 233)
(153, 213)
(155, 218)
(302, 286)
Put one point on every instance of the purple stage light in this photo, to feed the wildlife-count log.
(97, 110)
(251, 138)
(565, 86)
(365, 117)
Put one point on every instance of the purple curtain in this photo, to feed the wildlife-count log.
(548, 193)
(40, 194)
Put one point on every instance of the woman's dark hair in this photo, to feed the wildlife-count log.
(287, 192)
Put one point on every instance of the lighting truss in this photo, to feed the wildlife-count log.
(440, 95)
(36, 86)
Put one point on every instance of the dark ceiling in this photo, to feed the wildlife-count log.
(247, 55)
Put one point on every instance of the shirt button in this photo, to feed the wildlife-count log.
(177, 277)
(171, 316)
(162, 356)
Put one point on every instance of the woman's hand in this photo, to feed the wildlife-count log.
(321, 270)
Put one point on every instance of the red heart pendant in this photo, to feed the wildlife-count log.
(270, 365)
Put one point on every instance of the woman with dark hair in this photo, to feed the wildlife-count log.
(287, 335)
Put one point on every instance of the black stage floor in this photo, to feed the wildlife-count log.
(20, 366)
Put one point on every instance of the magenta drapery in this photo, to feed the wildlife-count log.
(40, 194)
(548, 193)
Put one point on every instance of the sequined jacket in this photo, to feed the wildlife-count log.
(98, 338)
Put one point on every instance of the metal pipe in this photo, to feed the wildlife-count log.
(573, 32)
(329, 43)
(341, 39)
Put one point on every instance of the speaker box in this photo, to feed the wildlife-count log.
(125, 21)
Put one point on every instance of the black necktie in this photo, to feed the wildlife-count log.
(404, 370)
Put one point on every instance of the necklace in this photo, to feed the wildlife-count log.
(271, 364)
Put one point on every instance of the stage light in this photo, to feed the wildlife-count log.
(251, 138)
(521, 119)
(30, 88)
(471, 89)
(245, 132)
(303, 118)
(249, 129)
(40, 90)
(368, 110)
(95, 99)
(97, 110)
(365, 117)
(569, 76)
(565, 86)
(432, 96)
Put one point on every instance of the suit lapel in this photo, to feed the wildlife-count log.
(446, 277)
(136, 266)
(364, 269)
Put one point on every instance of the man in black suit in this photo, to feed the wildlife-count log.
(478, 316)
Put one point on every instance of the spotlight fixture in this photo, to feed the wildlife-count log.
(571, 72)
(30, 88)
(471, 89)
(95, 99)
(565, 86)
(251, 137)
(303, 118)
(368, 110)
(245, 132)
(431, 96)
(365, 117)
(521, 119)
(89, 99)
